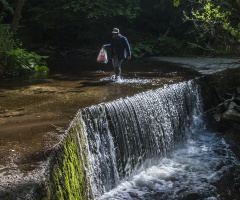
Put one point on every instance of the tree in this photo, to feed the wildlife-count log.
(77, 22)
(16, 16)
(159, 28)
(217, 25)
(14, 59)
(102, 8)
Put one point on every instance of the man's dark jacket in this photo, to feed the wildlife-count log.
(121, 46)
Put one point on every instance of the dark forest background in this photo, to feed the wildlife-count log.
(32, 31)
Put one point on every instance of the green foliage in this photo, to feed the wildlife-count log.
(5, 9)
(6, 42)
(168, 46)
(26, 60)
(41, 68)
(79, 22)
(87, 24)
(152, 46)
(6, 5)
(159, 29)
(217, 22)
(14, 59)
(219, 13)
(176, 3)
(102, 8)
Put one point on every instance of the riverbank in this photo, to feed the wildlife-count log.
(35, 112)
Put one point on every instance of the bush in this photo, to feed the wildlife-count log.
(153, 46)
(15, 60)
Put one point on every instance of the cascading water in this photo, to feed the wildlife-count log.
(154, 146)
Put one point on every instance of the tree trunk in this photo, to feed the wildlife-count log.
(16, 16)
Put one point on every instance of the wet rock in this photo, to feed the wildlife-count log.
(236, 187)
(231, 116)
(237, 100)
(228, 120)
(228, 95)
(229, 105)
(237, 108)
(190, 195)
(233, 136)
(238, 90)
(193, 196)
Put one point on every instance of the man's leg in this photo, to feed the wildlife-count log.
(117, 66)
(114, 61)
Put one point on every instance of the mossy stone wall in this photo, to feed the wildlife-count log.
(68, 177)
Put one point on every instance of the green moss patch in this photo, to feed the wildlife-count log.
(68, 179)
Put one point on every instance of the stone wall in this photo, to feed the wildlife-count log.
(68, 177)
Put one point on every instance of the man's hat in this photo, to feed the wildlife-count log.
(115, 30)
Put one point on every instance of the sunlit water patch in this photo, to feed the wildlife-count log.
(205, 168)
(134, 81)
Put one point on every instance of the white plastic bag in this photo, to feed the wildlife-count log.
(102, 56)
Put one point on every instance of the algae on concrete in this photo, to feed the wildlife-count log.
(69, 177)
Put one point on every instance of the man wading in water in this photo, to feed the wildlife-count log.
(119, 47)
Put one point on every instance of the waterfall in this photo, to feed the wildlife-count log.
(122, 135)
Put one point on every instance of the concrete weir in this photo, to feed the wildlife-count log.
(39, 118)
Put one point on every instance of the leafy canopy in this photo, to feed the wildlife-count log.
(219, 13)
(102, 8)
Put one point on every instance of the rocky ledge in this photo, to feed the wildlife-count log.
(227, 116)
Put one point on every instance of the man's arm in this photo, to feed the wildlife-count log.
(108, 46)
(127, 48)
